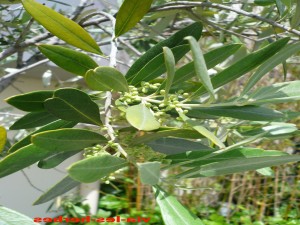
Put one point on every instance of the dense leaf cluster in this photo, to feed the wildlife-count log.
(175, 111)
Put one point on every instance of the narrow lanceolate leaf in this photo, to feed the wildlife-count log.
(63, 186)
(245, 65)
(280, 7)
(170, 65)
(2, 138)
(276, 93)
(62, 27)
(130, 13)
(31, 101)
(197, 159)
(149, 172)
(296, 17)
(276, 129)
(94, 168)
(11, 217)
(73, 105)
(189, 156)
(168, 132)
(55, 160)
(211, 58)
(68, 59)
(200, 67)
(33, 119)
(267, 66)
(242, 165)
(68, 139)
(170, 146)
(264, 2)
(202, 130)
(140, 117)
(51, 126)
(21, 159)
(172, 211)
(206, 133)
(106, 78)
(177, 39)
(249, 112)
(156, 66)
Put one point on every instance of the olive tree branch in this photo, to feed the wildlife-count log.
(108, 101)
(6, 79)
(81, 6)
(30, 183)
(20, 44)
(189, 5)
(198, 17)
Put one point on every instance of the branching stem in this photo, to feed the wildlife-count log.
(108, 102)
(189, 5)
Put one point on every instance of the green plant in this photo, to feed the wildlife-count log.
(114, 202)
(10, 216)
(244, 217)
(173, 117)
(77, 210)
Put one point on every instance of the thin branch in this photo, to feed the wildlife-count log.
(6, 79)
(20, 62)
(108, 101)
(132, 48)
(16, 88)
(218, 27)
(93, 22)
(30, 183)
(24, 32)
(85, 20)
(32, 41)
(20, 52)
(42, 37)
(189, 5)
(121, 40)
(168, 7)
(81, 6)
(37, 39)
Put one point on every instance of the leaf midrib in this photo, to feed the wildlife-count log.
(70, 30)
(124, 24)
(253, 163)
(168, 199)
(71, 59)
(78, 111)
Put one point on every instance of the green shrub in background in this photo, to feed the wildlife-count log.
(115, 202)
(156, 117)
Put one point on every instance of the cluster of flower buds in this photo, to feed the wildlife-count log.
(154, 99)
(93, 151)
